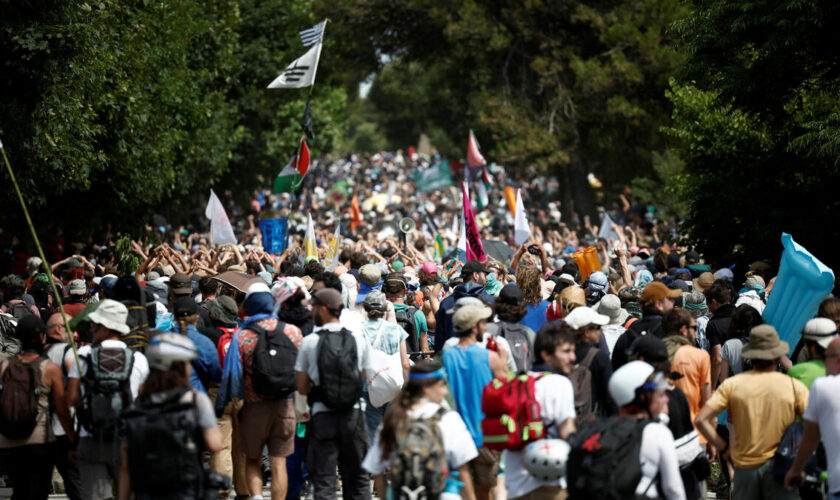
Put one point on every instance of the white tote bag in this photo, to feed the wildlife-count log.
(385, 374)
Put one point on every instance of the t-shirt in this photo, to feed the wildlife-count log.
(248, 343)
(390, 339)
(659, 461)
(808, 372)
(696, 367)
(762, 406)
(348, 319)
(823, 408)
(139, 371)
(499, 340)
(468, 370)
(457, 444)
(535, 317)
(307, 359)
(556, 397)
(731, 352)
(611, 334)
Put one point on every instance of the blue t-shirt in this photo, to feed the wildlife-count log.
(468, 369)
(535, 317)
(205, 368)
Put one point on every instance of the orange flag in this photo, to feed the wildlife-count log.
(355, 213)
(510, 195)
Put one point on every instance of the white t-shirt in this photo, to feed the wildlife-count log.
(823, 408)
(139, 371)
(307, 359)
(659, 458)
(457, 442)
(611, 334)
(348, 319)
(453, 341)
(556, 397)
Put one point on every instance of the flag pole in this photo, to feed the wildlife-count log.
(43, 259)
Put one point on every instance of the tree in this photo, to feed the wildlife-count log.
(755, 110)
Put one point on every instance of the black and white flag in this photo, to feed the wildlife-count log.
(301, 73)
(314, 34)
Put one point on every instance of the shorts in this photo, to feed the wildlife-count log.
(269, 422)
(485, 467)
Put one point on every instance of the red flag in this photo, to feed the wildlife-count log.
(474, 158)
(302, 159)
(475, 250)
(355, 213)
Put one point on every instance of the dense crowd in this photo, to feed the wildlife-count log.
(209, 371)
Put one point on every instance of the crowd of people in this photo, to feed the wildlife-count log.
(215, 371)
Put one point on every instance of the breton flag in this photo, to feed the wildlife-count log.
(301, 73)
(313, 35)
(521, 229)
(221, 232)
(291, 177)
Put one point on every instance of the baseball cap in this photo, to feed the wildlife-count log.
(656, 291)
(185, 306)
(820, 330)
(510, 294)
(375, 299)
(370, 275)
(180, 284)
(77, 287)
(327, 297)
(581, 317)
(474, 266)
(466, 317)
(429, 267)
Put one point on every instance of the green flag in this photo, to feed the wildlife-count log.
(435, 177)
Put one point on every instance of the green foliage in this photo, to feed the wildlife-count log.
(667, 189)
(127, 261)
(758, 119)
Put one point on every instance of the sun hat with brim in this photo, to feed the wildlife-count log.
(112, 315)
(704, 281)
(580, 317)
(223, 309)
(823, 331)
(610, 306)
(764, 344)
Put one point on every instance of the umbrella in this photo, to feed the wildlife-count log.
(240, 281)
(499, 250)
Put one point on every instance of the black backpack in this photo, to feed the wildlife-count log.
(274, 362)
(340, 386)
(405, 319)
(9, 343)
(604, 459)
(18, 309)
(20, 389)
(165, 444)
(521, 347)
(107, 389)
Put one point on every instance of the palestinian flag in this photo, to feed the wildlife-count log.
(292, 174)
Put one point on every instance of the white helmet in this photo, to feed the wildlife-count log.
(546, 459)
(164, 348)
(627, 379)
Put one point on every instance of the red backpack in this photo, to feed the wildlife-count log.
(512, 417)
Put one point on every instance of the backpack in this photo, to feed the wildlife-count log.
(107, 389)
(164, 443)
(224, 343)
(520, 344)
(9, 344)
(418, 464)
(20, 389)
(512, 415)
(274, 362)
(581, 379)
(18, 309)
(405, 319)
(340, 386)
(138, 336)
(604, 460)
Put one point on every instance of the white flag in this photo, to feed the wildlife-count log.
(331, 259)
(521, 229)
(607, 232)
(301, 73)
(310, 246)
(314, 34)
(221, 232)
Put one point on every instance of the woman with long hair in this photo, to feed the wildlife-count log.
(528, 280)
(422, 398)
(168, 428)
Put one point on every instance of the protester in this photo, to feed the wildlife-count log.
(762, 403)
(655, 300)
(331, 373)
(818, 334)
(470, 367)
(741, 323)
(474, 276)
(206, 369)
(586, 325)
(153, 467)
(719, 297)
(422, 399)
(510, 309)
(27, 446)
(528, 280)
(409, 318)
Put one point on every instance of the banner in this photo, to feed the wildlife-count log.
(331, 259)
(475, 250)
(301, 73)
(435, 177)
(521, 229)
(310, 245)
(274, 234)
(221, 232)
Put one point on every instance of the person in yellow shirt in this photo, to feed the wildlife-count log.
(762, 403)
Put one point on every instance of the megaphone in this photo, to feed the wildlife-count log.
(407, 225)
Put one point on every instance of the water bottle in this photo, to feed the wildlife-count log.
(452, 489)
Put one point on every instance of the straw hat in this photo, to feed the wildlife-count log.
(764, 344)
